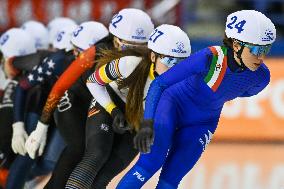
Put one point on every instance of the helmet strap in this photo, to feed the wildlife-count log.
(155, 62)
(239, 56)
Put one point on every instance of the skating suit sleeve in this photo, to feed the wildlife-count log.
(116, 69)
(18, 64)
(194, 64)
(84, 62)
(28, 62)
(50, 67)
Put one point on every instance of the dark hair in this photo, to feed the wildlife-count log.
(1, 56)
(228, 42)
(105, 42)
(135, 82)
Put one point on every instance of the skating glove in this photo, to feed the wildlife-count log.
(36, 142)
(144, 137)
(19, 138)
(119, 124)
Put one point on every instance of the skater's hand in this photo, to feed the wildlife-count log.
(36, 142)
(119, 124)
(19, 138)
(144, 137)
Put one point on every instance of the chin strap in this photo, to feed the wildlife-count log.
(156, 74)
(155, 62)
(239, 56)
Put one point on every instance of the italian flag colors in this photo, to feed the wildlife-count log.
(217, 68)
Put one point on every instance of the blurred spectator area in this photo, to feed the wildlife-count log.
(204, 20)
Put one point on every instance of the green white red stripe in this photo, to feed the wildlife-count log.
(217, 68)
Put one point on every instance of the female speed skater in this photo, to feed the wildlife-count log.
(183, 105)
(129, 76)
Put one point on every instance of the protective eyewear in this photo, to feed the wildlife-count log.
(170, 61)
(257, 50)
(77, 50)
(124, 45)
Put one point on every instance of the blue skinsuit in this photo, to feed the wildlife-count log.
(186, 112)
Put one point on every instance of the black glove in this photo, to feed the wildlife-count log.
(144, 137)
(119, 124)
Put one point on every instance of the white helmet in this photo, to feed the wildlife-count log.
(170, 40)
(63, 38)
(131, 25)
(250, 26)
(57, 24)
(88, 34)
(17, 42)
(39, 32)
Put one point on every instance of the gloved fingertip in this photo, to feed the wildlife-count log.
(33, 154)
(145, 143)
(142, 147)
(23, 153)
(40, 152)
(135, 143)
